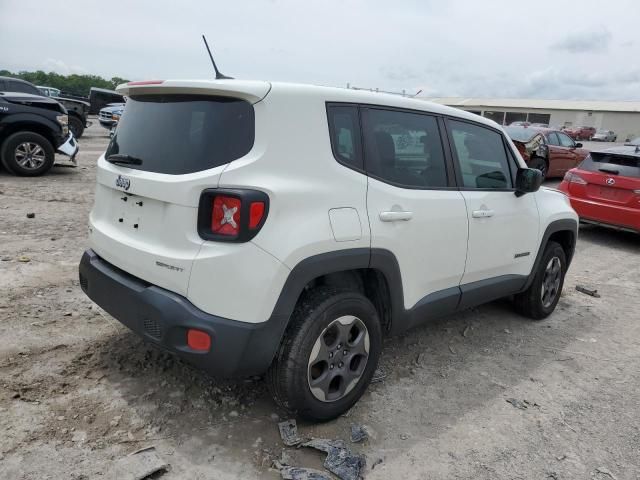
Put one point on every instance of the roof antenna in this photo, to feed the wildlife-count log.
(219, 76)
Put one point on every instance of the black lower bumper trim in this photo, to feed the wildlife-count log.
(163, 318)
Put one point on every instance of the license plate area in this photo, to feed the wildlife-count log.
(609, 193)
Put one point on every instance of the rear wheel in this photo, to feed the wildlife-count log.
(540, 164)
(27, 154)
(328, 355)
(542, 296)
(76, 126)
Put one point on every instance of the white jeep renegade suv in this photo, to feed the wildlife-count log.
(254, 227)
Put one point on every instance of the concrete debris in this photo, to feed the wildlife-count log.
(31, 215)
(359, 433)
(521, 404)
(138, 466)
(587, 291)
(340, 460)
(289, 433)
(606, 472)
(298, 473)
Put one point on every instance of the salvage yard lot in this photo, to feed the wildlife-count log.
(483, 394)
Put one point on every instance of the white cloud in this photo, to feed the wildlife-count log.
(58, 66)
(587, 41)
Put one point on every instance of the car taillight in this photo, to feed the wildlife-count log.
(571, 177)
(231, 215)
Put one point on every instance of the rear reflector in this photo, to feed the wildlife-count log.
(256, 212)
(198, 340)
(146, 82)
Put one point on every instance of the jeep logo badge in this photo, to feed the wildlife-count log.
(123, 182)
(610, 181)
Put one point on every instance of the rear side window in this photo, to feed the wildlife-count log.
(482, 157)
(612, 164)
(344, 129)
(22, 88)
(179, 134)
(404, 148)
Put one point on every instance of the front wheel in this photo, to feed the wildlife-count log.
(28, 154)
(328, 355)
(541, 298)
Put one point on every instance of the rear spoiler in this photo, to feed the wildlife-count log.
(251, 91)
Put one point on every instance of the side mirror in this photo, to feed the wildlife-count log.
(528, 180)
(577, 145)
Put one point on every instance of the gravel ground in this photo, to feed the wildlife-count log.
(485, 394)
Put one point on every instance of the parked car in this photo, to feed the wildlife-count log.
(550, 151)
(32, 129)
(214, 238)
(604, 136)
(633, 142)
(605, 188)
(580, 133)
(109, 115)
(49, 91)
(78, 110)
(101, 97)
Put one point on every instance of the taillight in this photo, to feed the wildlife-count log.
(231, 215)
(572, 177)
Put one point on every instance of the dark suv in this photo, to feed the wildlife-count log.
(32, 129)
(77, 109)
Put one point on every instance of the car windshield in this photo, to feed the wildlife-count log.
(178, 134)
(520, 134)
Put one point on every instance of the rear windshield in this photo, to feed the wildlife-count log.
(613, 164)
(178, 134)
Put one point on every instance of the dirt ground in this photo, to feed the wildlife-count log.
(78, 391)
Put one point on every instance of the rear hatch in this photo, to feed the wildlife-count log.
(173, 141)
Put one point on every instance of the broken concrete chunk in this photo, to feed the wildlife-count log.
(340, 460)
(299, 473)
(360, 433)
(289, 433)
(138, 466)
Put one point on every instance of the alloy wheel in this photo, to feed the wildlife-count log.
(29, 155)
(338, 358)
(551, 282)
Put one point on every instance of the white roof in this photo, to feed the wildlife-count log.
(536, 104)
(254, 91)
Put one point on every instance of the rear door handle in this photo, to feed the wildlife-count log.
(482, 213)
(395, 216)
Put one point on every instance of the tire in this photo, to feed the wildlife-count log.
(76, 126)
(531, 303)
(27, 154)
(316, 332)
(539, 164)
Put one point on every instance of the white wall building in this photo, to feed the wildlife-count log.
(621, 117)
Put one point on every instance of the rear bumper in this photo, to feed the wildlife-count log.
(614, 216)
(162, 317)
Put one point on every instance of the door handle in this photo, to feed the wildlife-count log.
(482, 213)
(395, 216)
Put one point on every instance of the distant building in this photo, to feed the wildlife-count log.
(621, 117)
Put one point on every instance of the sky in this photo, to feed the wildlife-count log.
(493, 48)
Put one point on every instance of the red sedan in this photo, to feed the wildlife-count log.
(605, 188)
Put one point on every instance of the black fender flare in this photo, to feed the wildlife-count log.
(562, 225)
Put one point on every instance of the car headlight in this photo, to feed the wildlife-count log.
(116, 116)
(64, 121)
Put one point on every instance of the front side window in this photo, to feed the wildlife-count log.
(404, 148)
(179, 134)
(344, 129)
(482, 157)
(565, 140)
(552, 139)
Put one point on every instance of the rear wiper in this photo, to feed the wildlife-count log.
(611, 171)
(122, 158)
